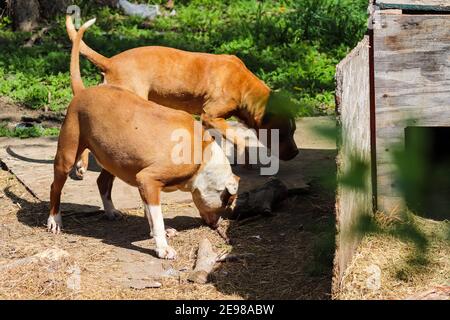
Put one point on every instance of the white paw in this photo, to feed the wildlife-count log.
(166, 253)
(171, 232)
(113, 214)
(80, 170)
(54, 223)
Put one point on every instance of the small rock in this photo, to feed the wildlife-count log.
(171, 232)
(170, 273)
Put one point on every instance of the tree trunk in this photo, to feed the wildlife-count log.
(25, 14)
(50, 8)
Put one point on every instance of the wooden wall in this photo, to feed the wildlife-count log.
(353, 111)
(412, 87)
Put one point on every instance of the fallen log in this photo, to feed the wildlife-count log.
(206, 258)
(261, 200)
(230, 257)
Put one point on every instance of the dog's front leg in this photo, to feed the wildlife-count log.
(226, 130)
(150, 192)
(156, 221)
(229, 133)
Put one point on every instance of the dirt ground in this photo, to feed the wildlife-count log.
(13, 113)
(288, 255)
(278, 269)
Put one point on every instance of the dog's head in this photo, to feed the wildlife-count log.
(286, 127)
(280, 114)
(214, 187)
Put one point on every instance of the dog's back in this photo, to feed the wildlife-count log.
(181, 79)
(106, 127)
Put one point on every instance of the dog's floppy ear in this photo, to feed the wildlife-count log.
(281, 104)
(232, 184)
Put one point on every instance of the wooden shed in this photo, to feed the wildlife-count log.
(397, 77)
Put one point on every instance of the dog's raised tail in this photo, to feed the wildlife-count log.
(75, 74)
(96, 58)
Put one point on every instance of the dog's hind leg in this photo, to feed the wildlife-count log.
(82, 165)
(105, 183)
(150, 191)
(62, 166)
(69, 149)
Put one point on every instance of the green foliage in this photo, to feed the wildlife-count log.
(5, 21)
(27, 132)
(291, 45)
(282, 103)
(38, 76)
(356, 176)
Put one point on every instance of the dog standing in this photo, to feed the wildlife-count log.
(214, 86)
(131, 139)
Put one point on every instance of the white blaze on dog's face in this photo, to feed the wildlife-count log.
(214, 187)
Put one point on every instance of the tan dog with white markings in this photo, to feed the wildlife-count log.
(131, 139)
(214, 86)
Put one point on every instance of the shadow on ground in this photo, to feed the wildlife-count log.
(76, 220)
(289, 255)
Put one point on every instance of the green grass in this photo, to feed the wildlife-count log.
(292, 45)
(28, 132)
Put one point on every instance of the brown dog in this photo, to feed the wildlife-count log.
(131, 138)
(214, 86)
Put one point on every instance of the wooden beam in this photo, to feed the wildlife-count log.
(419, 5)
(353, 109)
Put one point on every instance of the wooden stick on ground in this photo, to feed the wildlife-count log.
(230, 257)
(206, 258)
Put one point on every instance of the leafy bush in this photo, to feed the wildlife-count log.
(27, 132)
(291, 44)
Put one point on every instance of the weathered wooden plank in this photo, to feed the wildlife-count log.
(422, 5)
(412, 86)
(353, 108)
